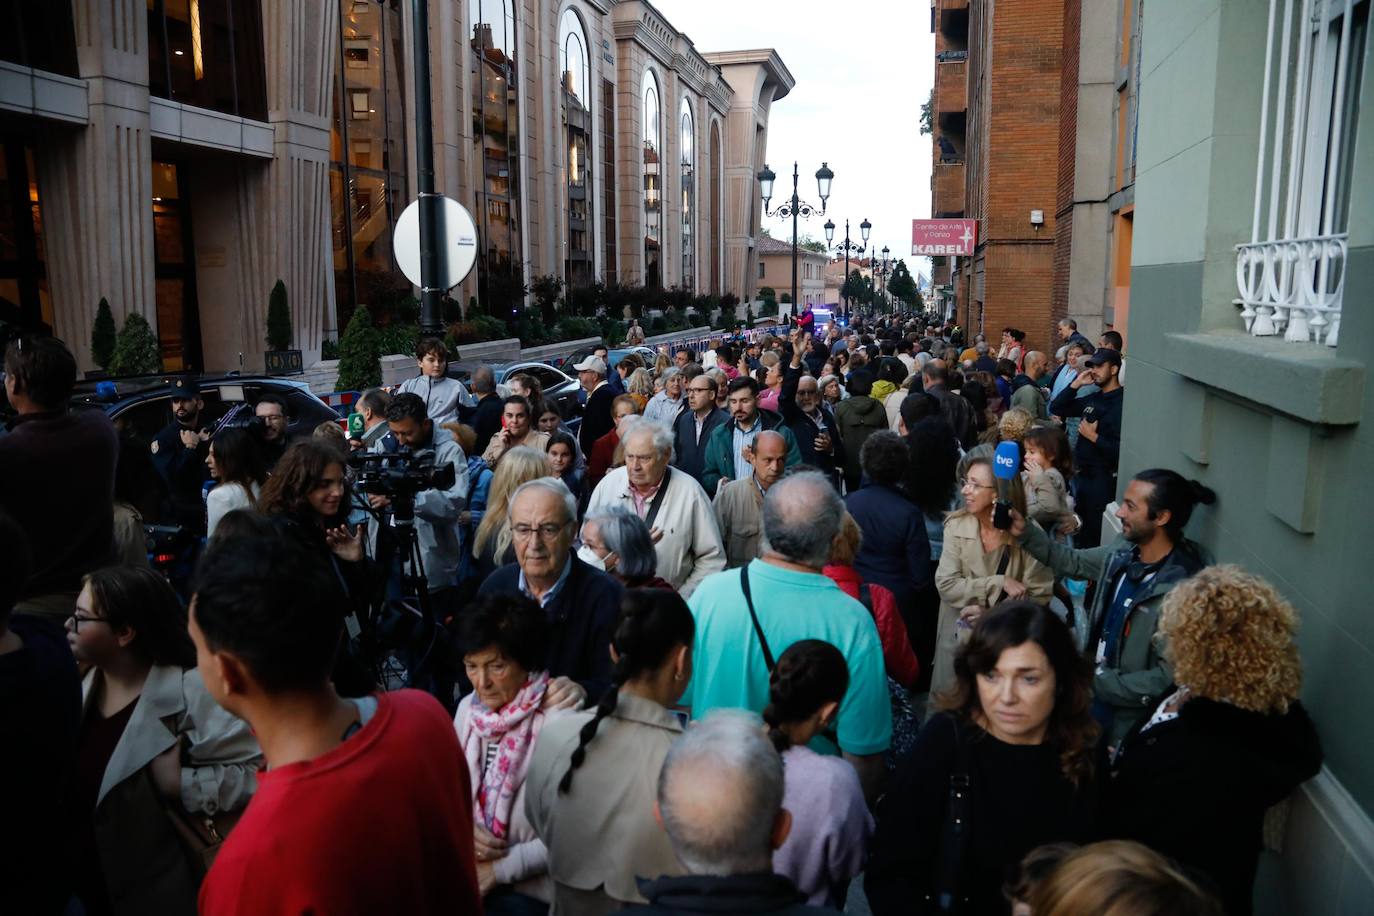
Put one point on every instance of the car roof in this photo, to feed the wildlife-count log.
(89, 392)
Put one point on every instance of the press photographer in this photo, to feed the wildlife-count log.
(179, 453)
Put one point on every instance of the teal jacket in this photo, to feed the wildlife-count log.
(720, 450)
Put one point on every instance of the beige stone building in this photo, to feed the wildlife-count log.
(775, 270)
(178, 159)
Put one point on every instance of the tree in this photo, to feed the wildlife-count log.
(858, 288)
(360, 354)
(902, 285)
(807, 243)
(546, 290)
(927, 114)
(278, 319)
(103, 335)
(136, 351)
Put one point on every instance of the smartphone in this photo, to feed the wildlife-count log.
(1001, 515)
(503, 421)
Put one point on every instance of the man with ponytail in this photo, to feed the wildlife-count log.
(1132, 579)
(594, 776)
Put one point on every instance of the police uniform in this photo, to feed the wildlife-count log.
(183, 469)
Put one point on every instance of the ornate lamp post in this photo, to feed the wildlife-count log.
(848, 247)
(796, 207)
(885, 271)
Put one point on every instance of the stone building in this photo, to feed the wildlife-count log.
(178, 158)
(775, 270)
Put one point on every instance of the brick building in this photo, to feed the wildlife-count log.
(996, 127)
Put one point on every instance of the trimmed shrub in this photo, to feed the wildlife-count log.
(136, 349)
(103, 335)
(278, 319)
(360, 358)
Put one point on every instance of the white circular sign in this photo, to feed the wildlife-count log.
(457, 243)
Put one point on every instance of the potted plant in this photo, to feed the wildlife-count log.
(280, 359)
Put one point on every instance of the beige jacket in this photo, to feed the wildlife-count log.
(739, 509)
(966, 575)
(601, 834)
(496, 448)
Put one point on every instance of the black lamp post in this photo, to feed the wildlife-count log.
(795, 208)
(847, 247)
(885, 271)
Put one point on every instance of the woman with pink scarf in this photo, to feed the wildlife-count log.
(504, 640)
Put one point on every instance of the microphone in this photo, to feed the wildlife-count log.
(1006, 464)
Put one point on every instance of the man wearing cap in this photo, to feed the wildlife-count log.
(1099, 439)
(179, 453)
(596, 416)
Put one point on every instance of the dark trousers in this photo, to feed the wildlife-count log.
(1092, 493)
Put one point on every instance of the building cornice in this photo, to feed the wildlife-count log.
(775, 71)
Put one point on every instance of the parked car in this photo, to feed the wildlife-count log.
(648, 354)
(558, 387)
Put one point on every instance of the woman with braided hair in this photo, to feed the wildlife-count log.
(594, 778)
(830, 821)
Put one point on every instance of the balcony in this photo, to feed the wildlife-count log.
(947, 187)
(951, 87)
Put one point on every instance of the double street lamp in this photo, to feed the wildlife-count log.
(847, 247)
(883, 269)
(796, 207)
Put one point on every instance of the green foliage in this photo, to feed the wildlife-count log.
(329, 349)
(573, 328)
(278, 319)
(902, 285)
(729, 305)
(807, 243)
(585, 300)
(475, 330)
(450, 310)
(547, 289)
(360, 364)
(786, 299)
(658, 325)
(103, 335)
(398, 338)
(927, 114)
(136, 349)
(769, 296)
(614, 329)
(749, 315)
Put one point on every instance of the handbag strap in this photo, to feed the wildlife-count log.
(753, 615)
(657, 502)
(1002, 565)
(954, 841)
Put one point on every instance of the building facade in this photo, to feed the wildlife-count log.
(775, 270)
(1256, 158)
(995, 123)
(177, 159)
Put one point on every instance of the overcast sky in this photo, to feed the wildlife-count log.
(862, 72)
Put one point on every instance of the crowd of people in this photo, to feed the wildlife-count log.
(764, 627)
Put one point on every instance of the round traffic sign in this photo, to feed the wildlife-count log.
(457, 243)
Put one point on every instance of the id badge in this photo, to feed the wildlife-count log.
(1101, 652)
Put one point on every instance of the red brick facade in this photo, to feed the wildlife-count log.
(1068, 139)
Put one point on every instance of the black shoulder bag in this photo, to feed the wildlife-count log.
(949, 894)
(657, 502)
(753, 615)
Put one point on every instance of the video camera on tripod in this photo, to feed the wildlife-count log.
(401, 475)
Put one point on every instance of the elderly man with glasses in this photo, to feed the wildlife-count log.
(693, 427)
(582, 603)
(674, 506)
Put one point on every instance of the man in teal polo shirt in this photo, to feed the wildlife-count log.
(793, 600)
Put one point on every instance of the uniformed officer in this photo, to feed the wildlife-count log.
(179, 453)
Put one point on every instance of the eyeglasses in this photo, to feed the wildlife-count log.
(546, 532)
(970, 482)
(78, 619)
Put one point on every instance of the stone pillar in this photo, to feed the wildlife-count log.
(97, 182)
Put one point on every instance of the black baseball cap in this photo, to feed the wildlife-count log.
(1104, 355)
(185, 388)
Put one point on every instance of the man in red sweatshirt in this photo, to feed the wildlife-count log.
(365, 805)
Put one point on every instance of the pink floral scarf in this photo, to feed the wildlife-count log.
(514, 727)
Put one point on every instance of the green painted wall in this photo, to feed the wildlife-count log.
(1296, 496)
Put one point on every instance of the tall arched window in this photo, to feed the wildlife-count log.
(653, 182)
(577, 118)
(688, 152)
(496, 132)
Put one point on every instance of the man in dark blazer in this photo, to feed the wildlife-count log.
(596, 416)
(694, 424)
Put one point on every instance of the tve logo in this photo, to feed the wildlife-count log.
(1006, 461)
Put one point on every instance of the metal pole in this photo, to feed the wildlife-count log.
(796, 202)
(845, 285)
(431, 242)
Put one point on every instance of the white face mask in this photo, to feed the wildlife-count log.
(591, 558)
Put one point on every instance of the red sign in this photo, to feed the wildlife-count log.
(944, 236)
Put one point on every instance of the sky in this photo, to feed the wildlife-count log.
(862, 71)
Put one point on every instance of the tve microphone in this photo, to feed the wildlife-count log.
(1006, 464)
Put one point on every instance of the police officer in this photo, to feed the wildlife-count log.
(1098, 448)
(179, 453)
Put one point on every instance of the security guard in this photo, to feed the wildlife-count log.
(179, 453)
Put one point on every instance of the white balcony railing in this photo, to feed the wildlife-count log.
(1291, 274)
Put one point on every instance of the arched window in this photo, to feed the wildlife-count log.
(687, 148)
(496, 132)
(653, 216)
(577, 117)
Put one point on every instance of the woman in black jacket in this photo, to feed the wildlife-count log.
(1194, 779)
(1009, 758)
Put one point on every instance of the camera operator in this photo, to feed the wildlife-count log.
(57, 470)
(179, 453)
(270, 411)
(436, 511)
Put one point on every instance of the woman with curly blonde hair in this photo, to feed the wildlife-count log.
(1195, 778)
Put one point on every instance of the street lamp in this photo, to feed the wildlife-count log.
(847, 247)
(886, 270)
(796, 207)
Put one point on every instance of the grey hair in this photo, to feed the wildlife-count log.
(719, 375)
(483, 381)
(981, 348)
(826, 380)
(719, 793)
(1068, 323)
(627, 536)
(662, 435)
(376, 400)
(552, 485)
(670, 372)
(801, 516)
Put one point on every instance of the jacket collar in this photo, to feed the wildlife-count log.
(645, 712)
(146, 735)
(754, 893)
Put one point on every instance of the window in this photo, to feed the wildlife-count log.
(208, 54)
(359, 107)
(575, 89)
(38, 35)
(496, 133)
(762, 270)
(653, 216)
(687, 169)
(356, 52)
(1291, 275)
